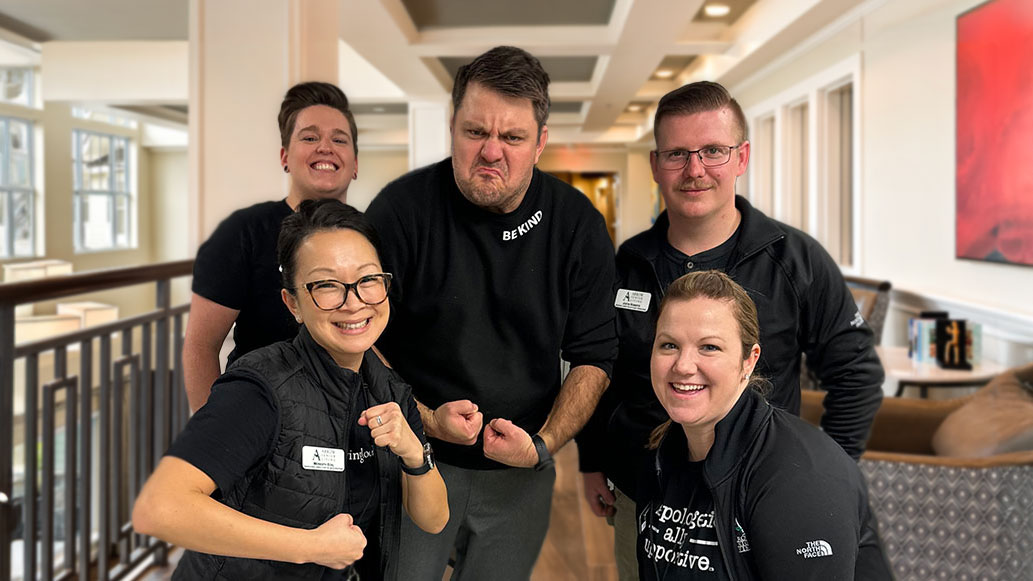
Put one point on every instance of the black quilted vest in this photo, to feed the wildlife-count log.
(315, 408)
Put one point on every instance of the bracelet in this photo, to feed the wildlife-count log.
(544, 457)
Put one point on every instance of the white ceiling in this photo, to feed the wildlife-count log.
(601, 54)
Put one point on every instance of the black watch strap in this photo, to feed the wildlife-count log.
(544, 457)
(428, 463)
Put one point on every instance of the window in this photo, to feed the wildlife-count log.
(103, 201)
(17, 194)
(762, 164)
(810, 172)
(16, 86)
(108, 117)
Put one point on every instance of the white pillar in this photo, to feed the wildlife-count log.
(244, 55)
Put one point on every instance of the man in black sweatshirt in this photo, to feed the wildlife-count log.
(499, 271)
(803, 304)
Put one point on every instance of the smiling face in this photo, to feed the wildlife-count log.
(697, 366)
(320, 156)
(348, 331)
(697, 192)
(495, 144)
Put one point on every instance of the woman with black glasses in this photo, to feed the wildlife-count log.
(300, 462)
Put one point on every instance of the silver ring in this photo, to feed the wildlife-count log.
(380, 422)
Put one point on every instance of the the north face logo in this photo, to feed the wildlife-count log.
(815, 549)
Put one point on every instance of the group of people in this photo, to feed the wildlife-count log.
(395, 394)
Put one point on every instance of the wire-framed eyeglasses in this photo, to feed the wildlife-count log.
(330, 294)
(709, 156)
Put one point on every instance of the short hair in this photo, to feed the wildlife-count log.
(512, 71)
(311, 217)
(716, 285)
(700, 97)
(305, 95)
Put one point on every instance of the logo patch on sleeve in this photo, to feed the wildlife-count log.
(325, 459)
(813, 549)
(632, 300)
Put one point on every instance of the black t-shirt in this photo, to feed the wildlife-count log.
(676, 263)
(677, 539)
(237, 268)
(484, 304)
(234, 432)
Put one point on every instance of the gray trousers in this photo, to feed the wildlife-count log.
(625, 536)
(496, 526)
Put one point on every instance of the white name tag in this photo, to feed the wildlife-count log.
(632, 300)
(328, 459)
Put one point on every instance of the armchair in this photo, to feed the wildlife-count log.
(943, 517)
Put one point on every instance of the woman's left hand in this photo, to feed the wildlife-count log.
(388, 426)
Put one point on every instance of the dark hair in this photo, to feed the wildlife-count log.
(700, 97)
(511, 71)
(314, 216)
(716, 285)
(308, 94)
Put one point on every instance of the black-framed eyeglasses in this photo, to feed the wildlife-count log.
(330, 294)
(709, 156)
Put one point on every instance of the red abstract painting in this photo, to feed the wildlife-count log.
(995, 132)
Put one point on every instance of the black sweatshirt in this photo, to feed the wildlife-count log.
(484, 304)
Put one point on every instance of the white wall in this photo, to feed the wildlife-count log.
(907, 125)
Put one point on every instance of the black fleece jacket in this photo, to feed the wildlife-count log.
(803, 306)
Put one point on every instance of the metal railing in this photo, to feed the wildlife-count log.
(89, 439)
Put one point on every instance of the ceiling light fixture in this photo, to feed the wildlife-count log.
(716, 10)
(664, 74)
(379, 109)
(634, 108)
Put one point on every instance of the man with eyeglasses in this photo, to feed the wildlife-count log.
(803, 304)
(500, 270)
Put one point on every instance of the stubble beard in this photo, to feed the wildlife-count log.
(492, 194)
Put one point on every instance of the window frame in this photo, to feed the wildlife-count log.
(814, 91)
(80, 193)
(8, 191)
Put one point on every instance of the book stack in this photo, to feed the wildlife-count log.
(935, 338)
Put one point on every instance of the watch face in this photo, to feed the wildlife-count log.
(428, 455)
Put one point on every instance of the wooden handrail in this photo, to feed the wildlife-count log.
(54, 287)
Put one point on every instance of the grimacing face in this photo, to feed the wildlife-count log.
(320, 156)
(495, 144)
(697, 366)
(696, 192)
(348, 331)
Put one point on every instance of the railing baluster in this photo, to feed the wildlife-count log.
(104, 508)
(7, 516)
(71, 433)
(85, 456)
(47, 484)
(29, 508)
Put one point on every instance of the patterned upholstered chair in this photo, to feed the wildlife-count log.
(949, 517)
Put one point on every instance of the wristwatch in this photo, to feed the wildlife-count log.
(544, 457)
(428, 462)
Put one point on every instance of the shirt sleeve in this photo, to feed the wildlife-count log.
(412, 415)
(222, 262)
(804, 524)
(590, 336)
(230, 434)
(841, 351)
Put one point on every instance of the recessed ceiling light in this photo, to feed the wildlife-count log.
(716, 10)
(379, 109)
(634, 108)
(664, 74)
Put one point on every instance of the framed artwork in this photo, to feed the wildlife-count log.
(994, 142)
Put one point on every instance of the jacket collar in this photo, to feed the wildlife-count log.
(333, 379)
(734, 436)
(756, 231)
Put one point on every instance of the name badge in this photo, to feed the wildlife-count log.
(632, 300)
(326, 459)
